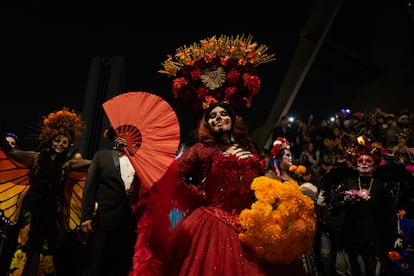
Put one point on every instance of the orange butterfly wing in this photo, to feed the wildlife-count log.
(73, 198)
(14, 184)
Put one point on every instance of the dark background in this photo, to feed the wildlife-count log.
(46, 56)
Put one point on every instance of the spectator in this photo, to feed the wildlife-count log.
(390, 132)
(402, 153)
(309, 157)
(284, 129)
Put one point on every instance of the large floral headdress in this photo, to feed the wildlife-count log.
(63, 121)
(217, 70)
(365, 146)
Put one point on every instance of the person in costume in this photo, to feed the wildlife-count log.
(8, 233)
(361, 219)
(107, 216)
(224, 170)
(12, 139)
(284, 170)
(43, 214)
(221, 167)
(211, 181)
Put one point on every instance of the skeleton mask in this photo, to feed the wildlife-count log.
(365, 164)
(287, 158)
(219, 119)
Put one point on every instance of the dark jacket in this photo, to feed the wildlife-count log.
(104, 185)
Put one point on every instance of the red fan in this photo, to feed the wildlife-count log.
(151, 129)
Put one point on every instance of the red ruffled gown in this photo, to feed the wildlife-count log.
(206, 242)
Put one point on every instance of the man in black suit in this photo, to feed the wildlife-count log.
(106, 214)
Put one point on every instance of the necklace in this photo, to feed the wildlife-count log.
(364, 193)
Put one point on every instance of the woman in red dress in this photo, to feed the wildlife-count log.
(211, 181)
(214, 187)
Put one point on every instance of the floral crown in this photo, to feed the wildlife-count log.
(64, 122)
(279, 144)
(217, 70)
(364, 146)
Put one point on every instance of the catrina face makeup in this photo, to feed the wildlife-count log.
(365, 164)
(219, 119)
(286, 160)
(60, 143)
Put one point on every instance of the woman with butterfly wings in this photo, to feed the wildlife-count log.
(41, 192)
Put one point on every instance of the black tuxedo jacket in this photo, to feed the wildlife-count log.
(105, 186)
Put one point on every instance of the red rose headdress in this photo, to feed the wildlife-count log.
(217, 70)
(279, 144)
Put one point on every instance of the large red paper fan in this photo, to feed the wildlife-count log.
(151, 129)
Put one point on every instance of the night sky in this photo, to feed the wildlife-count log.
(47, 64)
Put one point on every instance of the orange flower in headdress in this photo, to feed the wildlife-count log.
(217, 70)
(64, 122)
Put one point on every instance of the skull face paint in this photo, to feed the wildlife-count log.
(219, 120)
(365, 164)
(60, 143)
(287, 158)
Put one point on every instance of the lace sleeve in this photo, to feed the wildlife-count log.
(195, 163)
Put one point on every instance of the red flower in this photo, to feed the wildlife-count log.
(195, 74)
(233, 76)
(202, 92)
(252, 83)
(229, 91)
(221, 68)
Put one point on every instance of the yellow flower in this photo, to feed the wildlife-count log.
(24, 234)
(280, 226)
(225, 46)
(18, 261)
(46, 264)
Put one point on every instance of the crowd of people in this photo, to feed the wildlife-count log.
(357, 232)
(327, 198)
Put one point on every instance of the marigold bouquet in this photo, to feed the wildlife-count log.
(217, 69)
(280, 226)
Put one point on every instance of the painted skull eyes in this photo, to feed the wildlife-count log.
(61, 140)
(365, 160)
